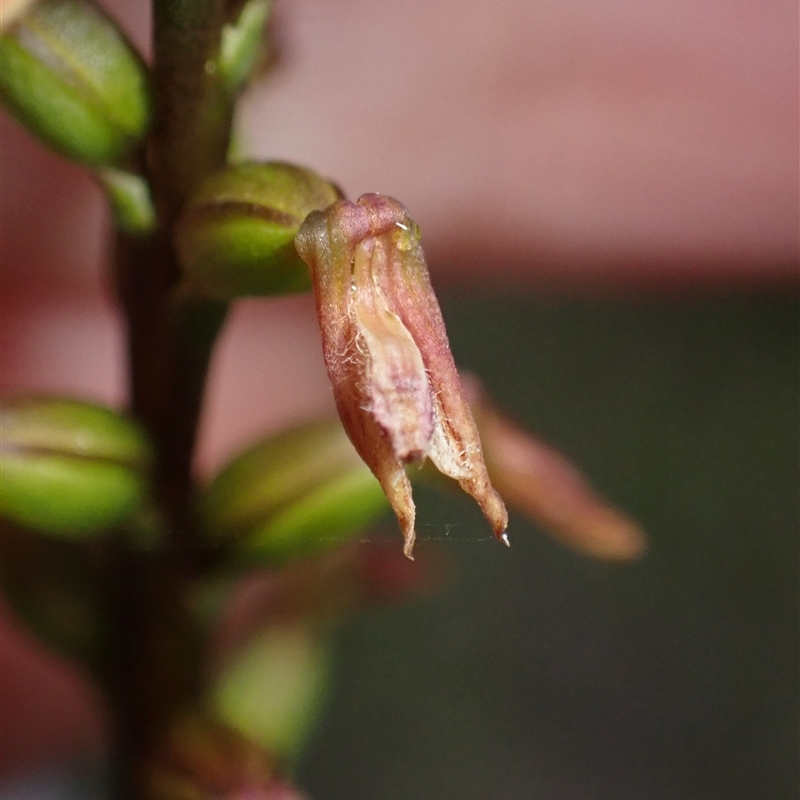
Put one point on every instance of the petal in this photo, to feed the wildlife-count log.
(395, 382)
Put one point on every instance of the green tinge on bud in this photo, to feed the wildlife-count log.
(236, 237)
(70, 76)
(272, 689)
(70, 468)
(302, 491)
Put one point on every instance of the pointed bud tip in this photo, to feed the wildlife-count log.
(406, 520)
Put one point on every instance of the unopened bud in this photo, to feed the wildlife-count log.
(301, 491)
(236, 237)
(385, 346)
(70, 76)
(70, 468)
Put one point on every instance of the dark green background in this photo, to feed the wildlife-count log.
(540, 674)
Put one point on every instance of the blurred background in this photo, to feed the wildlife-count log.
(608, 194)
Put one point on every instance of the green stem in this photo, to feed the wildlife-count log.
(190, 138)
(153, 663)
(154, 655)
(192, 104)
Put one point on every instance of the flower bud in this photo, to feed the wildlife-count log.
(386, 350)
(70, 468)
(543, 484)
(236, 237)
(304, 490)
(70, 76)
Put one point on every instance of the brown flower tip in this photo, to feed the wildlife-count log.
(544, 485)
(394, 380)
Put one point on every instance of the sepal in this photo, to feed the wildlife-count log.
(544, 485)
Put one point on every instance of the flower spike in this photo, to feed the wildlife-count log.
(394, 380)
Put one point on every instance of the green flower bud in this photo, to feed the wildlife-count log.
(236, 236)
(271, 690)
(70, 76)
(70, 468)
(302, 491)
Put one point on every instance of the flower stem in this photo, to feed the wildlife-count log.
(193, 108)
(190, 138)
(153, 660)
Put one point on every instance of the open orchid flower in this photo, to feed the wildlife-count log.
(396, 387)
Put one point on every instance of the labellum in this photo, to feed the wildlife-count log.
(394, 380)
